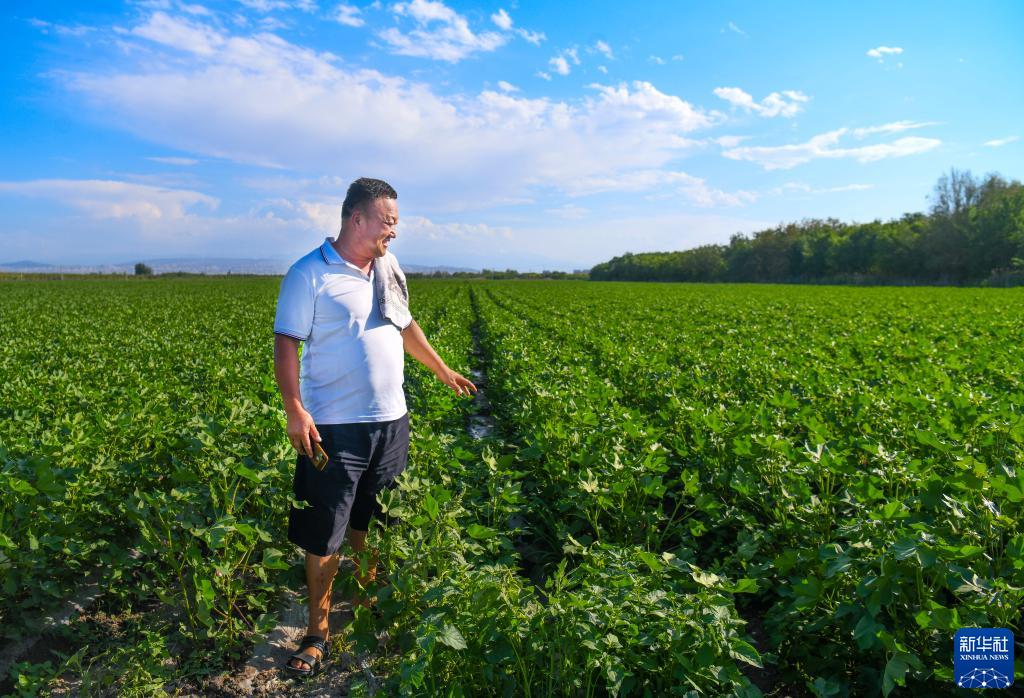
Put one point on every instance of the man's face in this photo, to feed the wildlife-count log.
(377, 224)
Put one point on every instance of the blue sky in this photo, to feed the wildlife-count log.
(530, 135)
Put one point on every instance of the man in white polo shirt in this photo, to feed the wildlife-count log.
(346, 301)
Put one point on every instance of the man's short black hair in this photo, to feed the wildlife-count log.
(364, 191)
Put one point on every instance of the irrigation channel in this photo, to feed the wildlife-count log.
(533, 553)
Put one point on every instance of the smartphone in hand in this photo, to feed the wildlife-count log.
(319, 458)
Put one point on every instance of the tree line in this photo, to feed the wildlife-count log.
(498, 275)
(972, 234)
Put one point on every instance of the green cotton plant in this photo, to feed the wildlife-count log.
(921, 560)
(217, 562)
(454, 600)
(608, 463)
(839, 467)
(472, 633)
(624, 621)
(434, 578)
(101, 415)
(432, 627)
(804, 426)
(143, 444)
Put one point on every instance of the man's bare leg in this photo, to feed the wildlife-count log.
(320, 573)
(364, 573)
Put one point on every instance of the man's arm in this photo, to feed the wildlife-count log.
(286, 371)
(419, 348)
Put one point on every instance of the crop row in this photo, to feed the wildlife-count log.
(674, 471)
(870, 487)
(142, 442)
(607, 618)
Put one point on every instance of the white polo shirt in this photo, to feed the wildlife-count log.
(352, 366)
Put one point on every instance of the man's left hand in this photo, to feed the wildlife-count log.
(461, 385)
(419, 348)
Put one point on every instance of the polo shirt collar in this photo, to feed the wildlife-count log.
(331, 256)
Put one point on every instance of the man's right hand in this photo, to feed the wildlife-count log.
(286, 370)
(300, 430)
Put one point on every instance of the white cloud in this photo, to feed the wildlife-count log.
(602, 69)
(198, 10)
(632, 181)
(849, 187)
(502, 20)
(288, 228)
(808, 189)
(559, 65)
(327, 118)
(532, 37)
(569, 212)
(1001, 141)
(566, 243)
(894, 127)
(656, 60)
(324, 216)
(106, 199)
(883, 52)
(694, 189)
(286, 186)
(418, 227)
(825, 145)
(77, 30)
(427, 240)
(180, 34)
(185, 162)
(273, 5)
(99, 222)
(730, 141)
(62, 29)
(678, 57)
(787, 103)
(441, 33)
(563, 62)
(646, 99)
(704, 196)
(265, 5)
(604, 49)
(507, 86)
(519, 110)
(271, 23)
(733, 28)
(348, 15)
(880, 52)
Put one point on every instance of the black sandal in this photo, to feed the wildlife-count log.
(315, 663)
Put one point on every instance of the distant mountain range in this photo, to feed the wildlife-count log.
(202, 265)
(24, 265)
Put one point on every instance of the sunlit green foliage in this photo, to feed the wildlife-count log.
(684, 484)
(857, 453)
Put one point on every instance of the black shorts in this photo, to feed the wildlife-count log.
(365, 459)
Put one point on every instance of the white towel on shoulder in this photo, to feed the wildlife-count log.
(392, 291)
